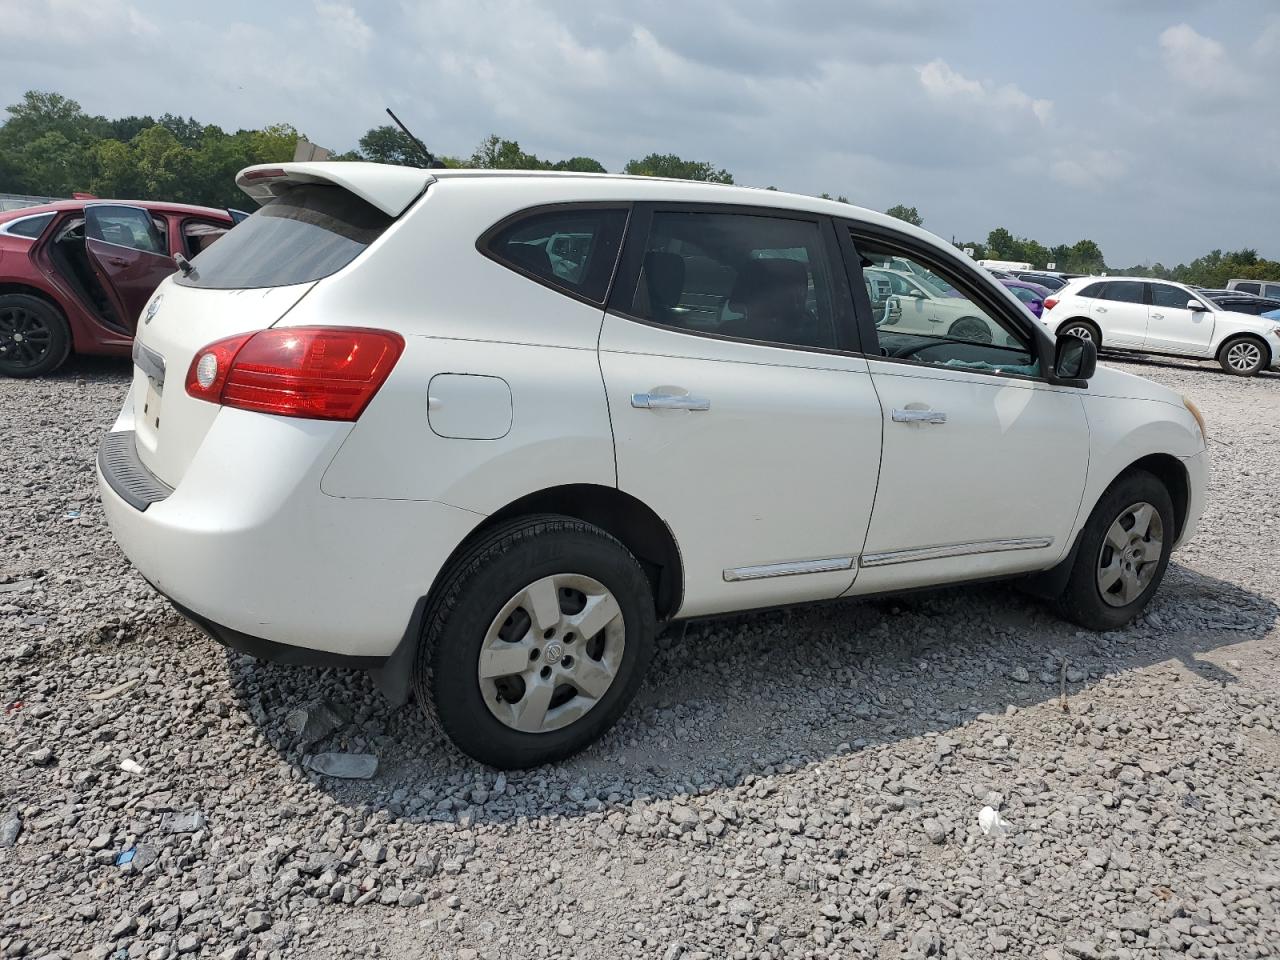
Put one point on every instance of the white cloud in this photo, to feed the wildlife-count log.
(343, 24)
(1200, 64)
(943, 83)
(79, 23)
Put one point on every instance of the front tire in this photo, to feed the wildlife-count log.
(1124, 551)
(536, 641)
(1243, 356)
(34, 337)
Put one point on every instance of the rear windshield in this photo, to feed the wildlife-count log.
(308, 233)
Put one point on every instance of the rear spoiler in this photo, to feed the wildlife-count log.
(389, 188)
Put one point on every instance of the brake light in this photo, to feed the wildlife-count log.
(319, 373)
(272, 173)
(1050, 302)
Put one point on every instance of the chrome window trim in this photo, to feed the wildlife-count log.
(7, 227)
(946, 551)
(789, 568)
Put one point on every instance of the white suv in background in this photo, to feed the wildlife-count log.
(1162, 317)
(482, 432)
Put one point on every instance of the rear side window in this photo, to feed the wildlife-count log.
(573, 249)
(1092, 290)
(1249, 287)
(737, 275)
(29, 226)
(1123, 291)
(310, 232)
(1271, 290)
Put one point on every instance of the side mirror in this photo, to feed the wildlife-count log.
(1074, 358)
(1196, 305)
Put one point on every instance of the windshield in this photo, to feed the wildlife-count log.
(310, 232)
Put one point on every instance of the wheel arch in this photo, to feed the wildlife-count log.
(1170, 471)
(1228, 340)
(10, 287)
(623, 516)
(1097, 331)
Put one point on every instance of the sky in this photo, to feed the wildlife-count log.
(1149, 126)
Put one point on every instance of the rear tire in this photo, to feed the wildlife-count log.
(1124, 551)
(1084, 329)
(34, 336)
(970, 328)
(504, 669)
(1243, 356)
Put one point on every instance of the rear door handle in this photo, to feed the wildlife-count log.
(117, 261)
(669, 401)
(1157, 316)
(1099, 309)
(919, 416)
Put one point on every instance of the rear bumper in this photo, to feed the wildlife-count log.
(249, 548)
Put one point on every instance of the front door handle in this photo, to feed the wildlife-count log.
(919, 416)
(1157, 316)
(669, 401)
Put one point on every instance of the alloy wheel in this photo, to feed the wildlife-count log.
(551, 653)
(25, 337)
(1244, 356)
(1130, 554)
(967, 328)
(1078, 330)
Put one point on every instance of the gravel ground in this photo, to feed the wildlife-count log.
(801, 785)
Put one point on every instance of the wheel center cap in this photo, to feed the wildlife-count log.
(553, 653)
(17, 338)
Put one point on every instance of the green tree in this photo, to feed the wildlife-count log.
(669, 165)
(494, 153)
(1001, 245)
(838, 199)
(389, 144)
(580, 165)
(908, 214)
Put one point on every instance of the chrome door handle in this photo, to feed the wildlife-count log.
(1099, 309)
(919, 416)
(669, 401)
(1157, 316)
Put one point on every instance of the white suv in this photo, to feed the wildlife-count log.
(1163, 317)
(481, 433)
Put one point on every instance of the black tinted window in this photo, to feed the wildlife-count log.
(573, 249)
(1163, 295)
(309, 232)
(1092, 290)
(1249, 287)
(735, 275)
(1123, 291)
(30, 226)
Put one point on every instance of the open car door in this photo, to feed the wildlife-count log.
(129, 255)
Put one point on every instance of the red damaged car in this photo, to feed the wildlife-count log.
(75, 274)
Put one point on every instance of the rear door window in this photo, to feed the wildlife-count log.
(1249, 287)
(130, 227)
(573, 249)
(737, 275)
(1123, 291)
(308, 233)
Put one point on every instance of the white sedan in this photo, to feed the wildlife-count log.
(1163, 317)
(482, 433)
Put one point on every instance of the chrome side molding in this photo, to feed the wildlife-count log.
(789, 569)
(954, 550)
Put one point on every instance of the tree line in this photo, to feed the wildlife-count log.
(49, 146)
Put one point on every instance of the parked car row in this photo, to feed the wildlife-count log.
(480, 433)
(75, 274)
(1156, 316)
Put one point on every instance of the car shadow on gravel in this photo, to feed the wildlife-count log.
(755, 693)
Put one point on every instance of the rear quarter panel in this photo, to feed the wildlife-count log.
(462, 313)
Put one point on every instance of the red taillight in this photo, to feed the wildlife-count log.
(268, 174)
(1050, 302)
(320, 373)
